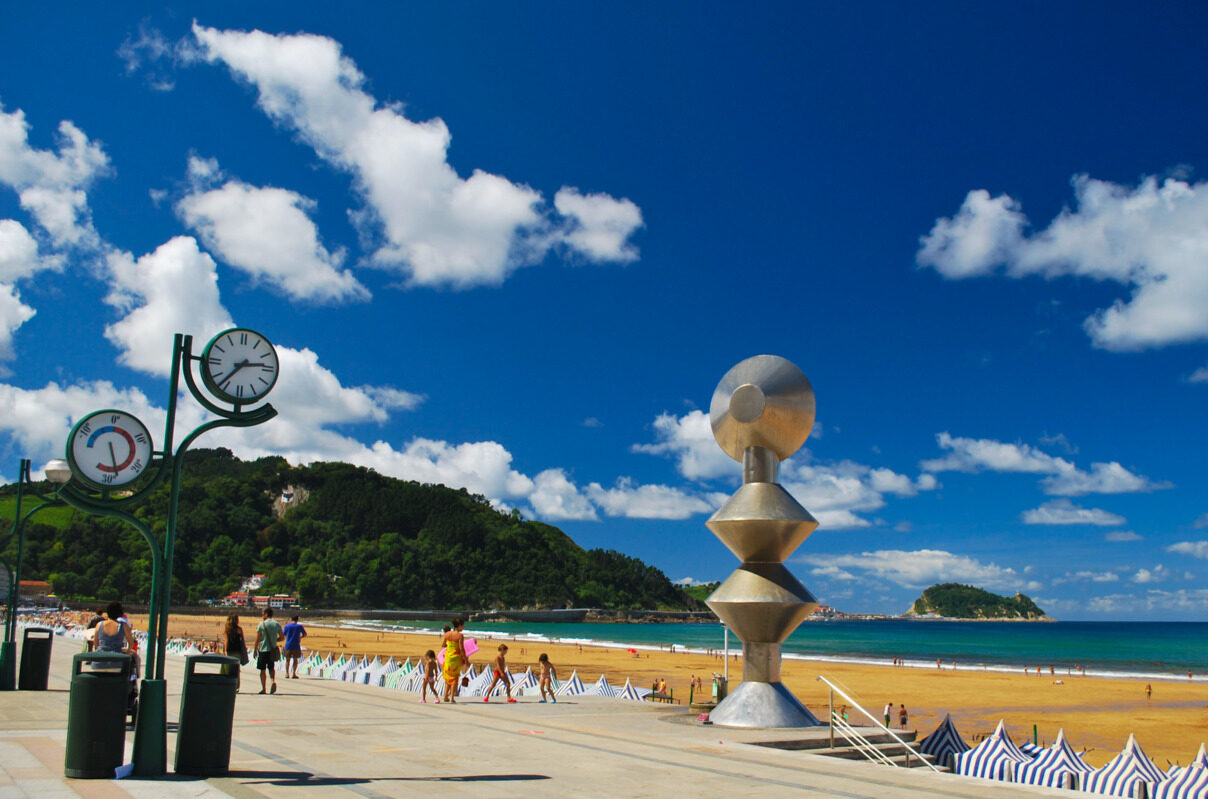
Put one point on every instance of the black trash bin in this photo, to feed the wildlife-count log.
(35, 659)
(207, 711)
(96, 714)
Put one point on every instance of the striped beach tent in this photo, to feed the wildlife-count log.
(629, 692)
(528, 680)
(1059, 766)
(1121, 776)
(944, 742)
(601, 688)
(365, 671)
(572, 687)
(994, 758)
(1188, 783)
(1030, 749)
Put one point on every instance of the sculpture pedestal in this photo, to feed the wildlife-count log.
(762, 704)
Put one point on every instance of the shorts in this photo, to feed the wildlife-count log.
(498, 673)
(265, 660)
(293, 653)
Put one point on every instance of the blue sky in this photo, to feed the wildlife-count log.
(514, 248)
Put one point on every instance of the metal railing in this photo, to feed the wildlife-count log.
(844, 727)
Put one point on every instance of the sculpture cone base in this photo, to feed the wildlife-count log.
(762, 704)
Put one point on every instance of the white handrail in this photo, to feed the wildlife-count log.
(877, 723)
(862, 744)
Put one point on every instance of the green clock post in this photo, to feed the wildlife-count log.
(110, 450)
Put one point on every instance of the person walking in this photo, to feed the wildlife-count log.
(903, 716)
(455, 659)
(430, 669)
(548, 675)
(501, 674)
(888, 712)
(236, 647)
(268, 636)
(294, 633)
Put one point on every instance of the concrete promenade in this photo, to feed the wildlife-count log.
(321, 738)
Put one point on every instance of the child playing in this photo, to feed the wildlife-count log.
(501, 674)
(548, 672)
(430, 670)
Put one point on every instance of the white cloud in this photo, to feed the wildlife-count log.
(1065, 479)
(598, 226)
(687, 582)
(921, 567)
(171, 290)
(1155, 575)
(1199, 375)
(832, 572)
(51, 185)
(1087, 576)
(268, 233)
(1153, 599)
(1062, 511)
(439, 229)
(1122, 535)
(19, 257)
(1201, 522)
(633, 501)
(689, 440)
(555, 498)
(1196, 549)
(1152, 238)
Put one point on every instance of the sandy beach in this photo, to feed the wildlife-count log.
(1096, 713)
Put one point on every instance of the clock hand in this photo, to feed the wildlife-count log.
(222, 383)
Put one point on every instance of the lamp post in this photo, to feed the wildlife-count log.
(111, 449)
(58, 473)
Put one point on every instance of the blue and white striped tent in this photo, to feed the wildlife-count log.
(1188, 783)
(601, 688)
(572, 687)
(943, 743)
(1120, 776)
(630, 692)
(994, 758)
(1059, 766)
(1030, 749)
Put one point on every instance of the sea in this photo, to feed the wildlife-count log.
(1139, 650)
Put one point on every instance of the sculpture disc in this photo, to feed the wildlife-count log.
(764, 401)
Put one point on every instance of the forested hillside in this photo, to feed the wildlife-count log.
(956, 601)
(358, 540)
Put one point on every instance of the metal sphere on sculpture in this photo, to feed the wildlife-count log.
(764, 401)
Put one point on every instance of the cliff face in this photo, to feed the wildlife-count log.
(955, 601)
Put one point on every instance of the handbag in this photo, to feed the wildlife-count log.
(243, 658)
(465, 682)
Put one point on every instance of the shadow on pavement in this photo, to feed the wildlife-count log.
(306, 779)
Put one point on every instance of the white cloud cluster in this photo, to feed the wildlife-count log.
(267, 233)
(1065, 479)
(1064, 512)
(52, 186)
(1196, 549)
(439, 228)
(1155, 575)
(1122, 535)
(1154, 599)
(1152, 238)
(630, 500)
(911, 569)
(1087, 576)
(836, 493)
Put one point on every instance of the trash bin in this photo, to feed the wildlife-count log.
(207, 711)
(35, 659)
(96, 714)
(720, 686)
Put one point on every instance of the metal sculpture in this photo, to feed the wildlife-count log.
(762, 412)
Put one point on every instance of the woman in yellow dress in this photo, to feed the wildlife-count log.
(455, 659)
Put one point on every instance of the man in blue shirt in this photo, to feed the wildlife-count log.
(294, 633)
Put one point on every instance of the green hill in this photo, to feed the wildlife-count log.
(351, 538)
(955, 601)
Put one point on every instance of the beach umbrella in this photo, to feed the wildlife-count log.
(1187, 783)
(601, 688)
(1120, 776)
(1056, 767)
(629, 692)
(943, 743)
(994, 758)
(572, 687)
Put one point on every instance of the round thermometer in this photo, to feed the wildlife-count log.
(109, 448)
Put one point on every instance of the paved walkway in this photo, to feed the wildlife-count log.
(322, 738)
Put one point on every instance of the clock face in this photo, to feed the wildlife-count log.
(109, 448)
(239, 366)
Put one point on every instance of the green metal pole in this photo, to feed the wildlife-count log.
(8, 653)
